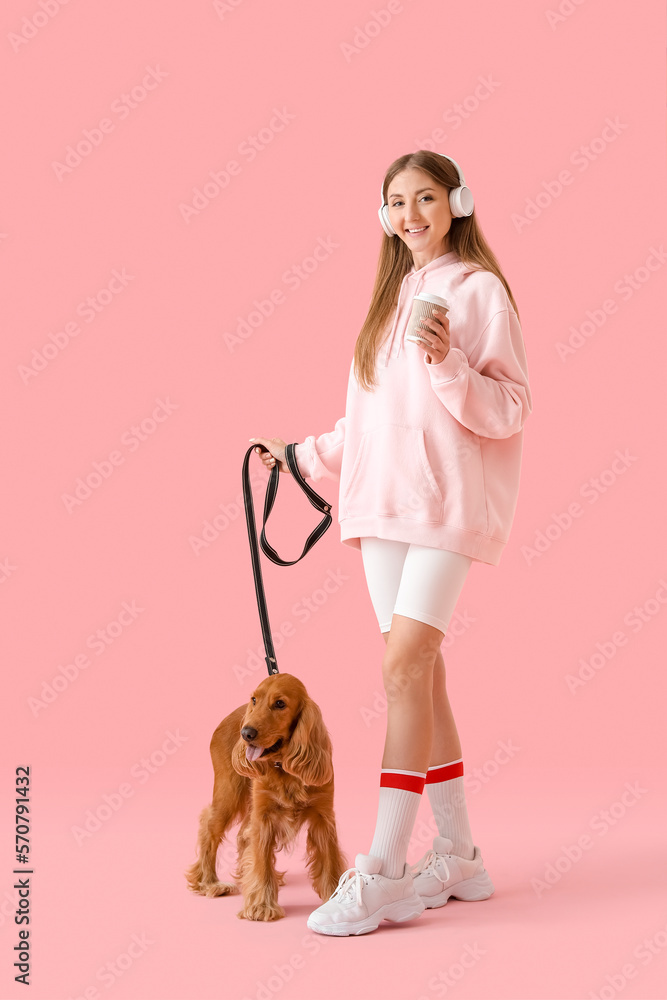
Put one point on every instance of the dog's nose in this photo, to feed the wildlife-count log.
(248, 733)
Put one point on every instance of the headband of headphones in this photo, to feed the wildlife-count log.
(461, 202)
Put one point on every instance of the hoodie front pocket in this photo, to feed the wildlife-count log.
(392, 477)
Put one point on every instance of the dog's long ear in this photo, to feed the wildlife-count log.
(308, 754)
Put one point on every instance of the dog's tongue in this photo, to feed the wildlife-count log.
(252, 753)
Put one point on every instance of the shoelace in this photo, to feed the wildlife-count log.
(350, 882)
(428, 863)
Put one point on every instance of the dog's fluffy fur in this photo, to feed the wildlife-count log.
(272, 802)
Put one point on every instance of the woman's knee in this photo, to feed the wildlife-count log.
(410, 655)
(407, 672)
(408, 685)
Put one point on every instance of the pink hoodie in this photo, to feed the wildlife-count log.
(433, 454)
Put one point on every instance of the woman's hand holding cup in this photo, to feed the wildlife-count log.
(436, 329)
(428, 326)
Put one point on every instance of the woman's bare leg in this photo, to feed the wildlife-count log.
(445, 743)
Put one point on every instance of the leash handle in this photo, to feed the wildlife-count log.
(271, 491)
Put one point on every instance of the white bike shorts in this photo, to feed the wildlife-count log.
(417, 581)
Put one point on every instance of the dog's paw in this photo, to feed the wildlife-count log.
(213, 889)
(222, 889)
(261, 911)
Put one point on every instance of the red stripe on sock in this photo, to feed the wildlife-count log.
(444, 773)
(410, 782)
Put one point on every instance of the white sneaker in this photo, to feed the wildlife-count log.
(363, 898)
(440, 874)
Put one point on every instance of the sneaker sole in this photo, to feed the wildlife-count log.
(397, 913)
(471, 890)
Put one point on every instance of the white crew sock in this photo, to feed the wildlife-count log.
(444, 787)
(400, 795)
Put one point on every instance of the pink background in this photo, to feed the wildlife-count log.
(219, 74)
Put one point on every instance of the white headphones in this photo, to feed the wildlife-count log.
(461, 202)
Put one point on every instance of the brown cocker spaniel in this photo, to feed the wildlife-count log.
(273, 772)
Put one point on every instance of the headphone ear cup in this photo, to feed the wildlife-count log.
(461, 201)
(383, 213)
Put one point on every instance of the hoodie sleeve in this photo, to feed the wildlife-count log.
(321, 457)
(489, 394)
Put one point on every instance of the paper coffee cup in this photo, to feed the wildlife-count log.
(423, 306)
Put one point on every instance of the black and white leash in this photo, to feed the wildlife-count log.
(315, 535)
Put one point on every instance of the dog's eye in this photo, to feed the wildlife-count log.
(253, 700)
(279, 704)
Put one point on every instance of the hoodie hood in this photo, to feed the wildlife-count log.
(411, 285)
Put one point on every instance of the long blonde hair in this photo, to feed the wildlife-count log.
(465, 238)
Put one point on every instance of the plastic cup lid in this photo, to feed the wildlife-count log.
(436, 299)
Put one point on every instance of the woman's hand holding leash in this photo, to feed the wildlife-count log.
(436, 331)
(270, 451)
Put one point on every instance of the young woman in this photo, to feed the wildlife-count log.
(428, 456)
